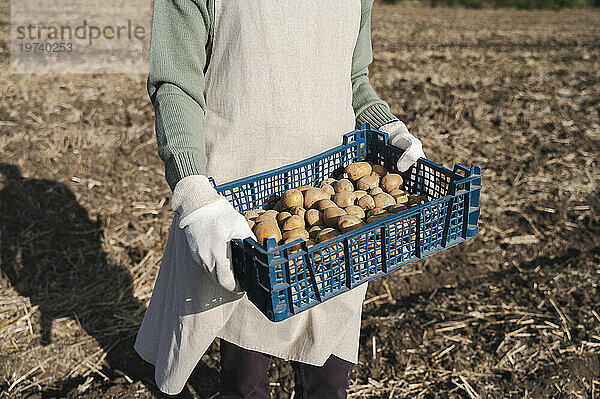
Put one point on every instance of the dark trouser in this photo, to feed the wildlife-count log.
(244, 375)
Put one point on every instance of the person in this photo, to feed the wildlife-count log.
(240, 88)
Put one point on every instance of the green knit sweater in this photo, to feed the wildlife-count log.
(179, 56)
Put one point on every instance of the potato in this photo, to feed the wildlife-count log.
(251, 223)
(328, 188)
(355, 210)
(415, 199)
(293, 248)
(367, 182)
(356, 170)
(270, 214)
(331, 216)
(326, 234)
(375, 218)
(298, 247)
(313, 195)
(391, 181)
(396, 208)
(313, 231)
(279, 206)
(267, 229)
(344, 199)
(292, 198)
(297, 210)
(402, 200)
(329, 180)
(293, 222)
(324, 204)
(374, 211)
(366, 202)
(343, 185)
(400, 196)
(314, 217)
(379, 170)
(282, 217)
(302, 189)
(383, 200)
(349, 222)
(375, 191)
(251, 214)
(295, 234)
(360, 193)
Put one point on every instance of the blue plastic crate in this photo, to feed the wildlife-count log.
(282, 283)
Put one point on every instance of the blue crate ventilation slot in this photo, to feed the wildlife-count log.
(282, 283)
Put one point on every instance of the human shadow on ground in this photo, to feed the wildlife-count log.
(51, 252)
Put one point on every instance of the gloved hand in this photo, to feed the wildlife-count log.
(210, 222)
(401, 138)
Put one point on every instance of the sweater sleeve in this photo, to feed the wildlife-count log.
(368, 107)
(178, 56)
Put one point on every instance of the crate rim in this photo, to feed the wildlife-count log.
(365, 128)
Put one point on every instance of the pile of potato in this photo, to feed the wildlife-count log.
(364, 193)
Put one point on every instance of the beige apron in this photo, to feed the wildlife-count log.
(278, 90)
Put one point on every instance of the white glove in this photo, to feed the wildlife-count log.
(210, 228)
(401, 138)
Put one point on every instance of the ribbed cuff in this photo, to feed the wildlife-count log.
(377, 115)
(191, 193)
(181, 165)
